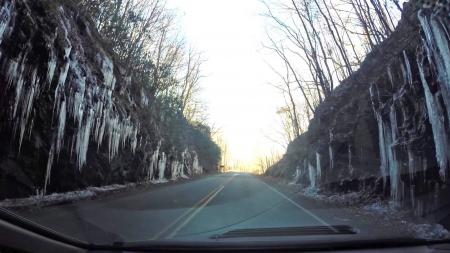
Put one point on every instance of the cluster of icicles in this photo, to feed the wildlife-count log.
(158, 163)
(434, 55)
(314, 172)
(389, 137)
(79, 96)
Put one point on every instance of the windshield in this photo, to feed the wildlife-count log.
(222, 121)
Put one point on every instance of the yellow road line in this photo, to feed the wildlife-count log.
(193, 214)
(198, 209)
(173, 223)
(187, 212)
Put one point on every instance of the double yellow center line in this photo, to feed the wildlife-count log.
(179, 223)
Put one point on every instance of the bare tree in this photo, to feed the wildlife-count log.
(322, 42)
(264, 163)
(190, 85)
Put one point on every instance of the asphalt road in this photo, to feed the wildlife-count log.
(193, 210)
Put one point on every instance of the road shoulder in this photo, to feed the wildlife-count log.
(376, 217)
(91, 194)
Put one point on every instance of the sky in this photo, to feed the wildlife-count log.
(236, 89)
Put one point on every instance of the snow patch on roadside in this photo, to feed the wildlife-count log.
(346, 199)
(388, 211)
(59, 198)
(379, 210)
(40, 200)
(430, 231)
(161, 181)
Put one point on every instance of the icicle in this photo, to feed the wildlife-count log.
(19, 88)
(27, 105)
(153, 162)
(441, 43)
(384, 136)
(59, 91)
(384, 167)
(61, 126)
(5, 18)
(312, 175)
(162, 168)
(436, 118)
(108, 73)
(412, 193)
(437, 49)
(51, 67)
(184, 163)
(79, 82)
(77, 97)
(180, 170)
(393, 120)
(196, 168)
(330, 150)
(144, 98)
(150, 168)
(411, 165)
(174, 170)
(134, 141)
(195, 164)
(393, 163)
(387, 134)
(51, 155)
(318, 167)
(408, 75)
(101, 132)
(296, 177)
(83, 140)
(350, 167)
(419, 210)
(11, 73)
(391, 79)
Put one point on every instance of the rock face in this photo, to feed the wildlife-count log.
(386, 128)
(70, 119)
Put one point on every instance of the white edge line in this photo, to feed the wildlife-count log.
(299, 206)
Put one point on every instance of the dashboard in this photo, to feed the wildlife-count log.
(17, 238)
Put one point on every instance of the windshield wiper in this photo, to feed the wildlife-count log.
(288, 231)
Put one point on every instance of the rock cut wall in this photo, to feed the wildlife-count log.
(69, 117)
(385, 130)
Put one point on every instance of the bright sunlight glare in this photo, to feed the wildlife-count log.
(236, 89)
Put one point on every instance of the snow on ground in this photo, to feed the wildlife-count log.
(88, 193)
(361, 204)
(344, 199)
(430, 231)
(426, 231)
(59, 198)
(379, 208)
(160, 181)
